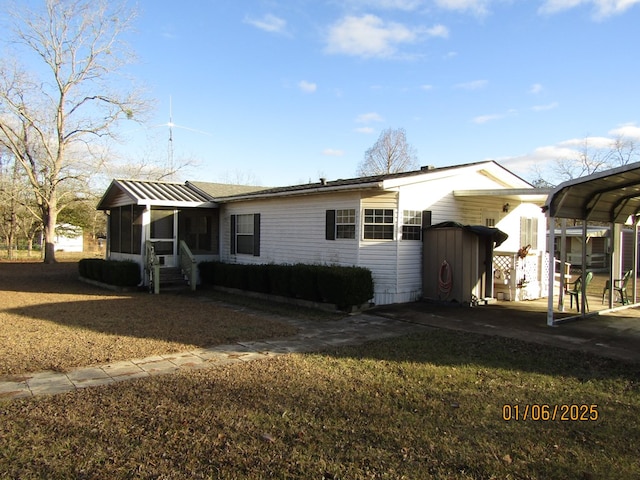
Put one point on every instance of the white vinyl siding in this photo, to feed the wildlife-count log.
(381, 256)
(292, 230)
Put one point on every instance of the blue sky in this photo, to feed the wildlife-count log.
(288, 91)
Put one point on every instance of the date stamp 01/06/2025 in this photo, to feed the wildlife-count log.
(540, 412)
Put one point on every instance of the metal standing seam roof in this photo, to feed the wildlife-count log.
(143, 192)
(162, 191)
(608, 196)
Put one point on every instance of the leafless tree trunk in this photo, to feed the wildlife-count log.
(54, 123)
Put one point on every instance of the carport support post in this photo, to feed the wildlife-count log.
(552, 268)
(634, 267)
(583, 283)
(563, 263)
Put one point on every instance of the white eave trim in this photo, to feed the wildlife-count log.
(523, 194)
(174, 204)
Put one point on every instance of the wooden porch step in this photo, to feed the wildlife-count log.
(172, 276)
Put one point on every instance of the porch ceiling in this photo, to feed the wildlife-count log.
(609, 196)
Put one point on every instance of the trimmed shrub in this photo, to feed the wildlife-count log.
(280, 280)
(342, 286)
(345, 286)
(112, 272)
(304, 282)
(207, 272)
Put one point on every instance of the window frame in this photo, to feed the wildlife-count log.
(412, 225)
(251, 239)
(345, 220)
(529, 232)
(376, 224)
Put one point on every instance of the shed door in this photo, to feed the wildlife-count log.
(163, 235)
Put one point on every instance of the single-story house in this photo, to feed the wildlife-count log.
(375, 222)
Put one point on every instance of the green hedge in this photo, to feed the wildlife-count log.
(342, 286)
(111, 272)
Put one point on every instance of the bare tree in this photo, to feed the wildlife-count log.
(56, 119)
(591, 156)
(624, 151)
(390, 154)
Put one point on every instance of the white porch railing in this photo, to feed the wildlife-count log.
(517, 278)
(188, 265)
(152, 267)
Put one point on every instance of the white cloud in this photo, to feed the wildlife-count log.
(542, 108)
(438, 31)
(366, 130)
(473, 85)
(426, 87)
(601, 8)
(369, 117)
(369, 36)
(495, 116)
(478, 7)
(536, 88)
(307, 87)
(269, 23)
(630, 130)
(331, 152)
(481, 119)
(592, 142)
(405, 5)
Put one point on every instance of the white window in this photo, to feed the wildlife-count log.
(529, 232)
(245, 234)
(346, 223)
(411, 225)
(378, 224)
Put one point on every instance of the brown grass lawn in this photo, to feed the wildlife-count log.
(49, 320)
(419, 407)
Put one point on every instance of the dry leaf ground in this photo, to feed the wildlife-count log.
(419, 407)
(49, 320)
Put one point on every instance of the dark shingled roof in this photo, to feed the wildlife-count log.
(219, 190)
(316, 187)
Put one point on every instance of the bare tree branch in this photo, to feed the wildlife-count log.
(50, 124)
(390, 154)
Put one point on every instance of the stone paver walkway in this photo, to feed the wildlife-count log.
(311, 337)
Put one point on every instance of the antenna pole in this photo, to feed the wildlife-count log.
(170, 146)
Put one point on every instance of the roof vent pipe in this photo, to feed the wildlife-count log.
(427, 167)
(323, 181)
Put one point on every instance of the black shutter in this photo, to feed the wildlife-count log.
(426, 218)
(232, 227)
(426, 222)
(330, 225)
(256, 235)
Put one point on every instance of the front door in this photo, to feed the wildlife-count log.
(163, 236)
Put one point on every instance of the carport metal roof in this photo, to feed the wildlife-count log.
(609, 196)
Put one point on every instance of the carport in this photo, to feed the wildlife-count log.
(612, 197)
